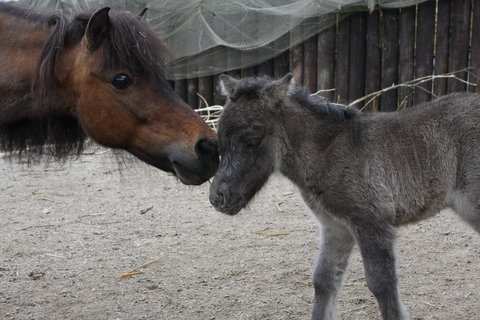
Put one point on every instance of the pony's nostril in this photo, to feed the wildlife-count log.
(206, 147)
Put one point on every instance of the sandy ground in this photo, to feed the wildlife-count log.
(67, 232)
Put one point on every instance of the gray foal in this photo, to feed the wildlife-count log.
(362, 174)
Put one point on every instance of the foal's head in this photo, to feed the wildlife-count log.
(107, 67)
(248, 140)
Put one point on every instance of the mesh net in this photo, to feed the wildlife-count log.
(211, 36)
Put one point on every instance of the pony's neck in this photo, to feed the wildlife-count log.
(22, 42)
(306, 139)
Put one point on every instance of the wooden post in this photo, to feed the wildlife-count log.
(424, 52)
(441, 47)
(458, 46)
(192, 89)
(181, 89)
(342, 61)
(205, 89)
(281, 65)
(265, 68)
(326, 62)
(406, 55)
(475, 56)
(310, 63)
(296, 57)
(373, 59)
(388, 102)
(356, 85)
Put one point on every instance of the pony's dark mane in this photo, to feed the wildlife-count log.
(302, 96)
(130, 45)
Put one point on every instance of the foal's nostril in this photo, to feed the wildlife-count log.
(217, 199)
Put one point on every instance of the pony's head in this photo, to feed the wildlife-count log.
(247, 139)
(107, 69)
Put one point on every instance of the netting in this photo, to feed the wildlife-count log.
(212, 36)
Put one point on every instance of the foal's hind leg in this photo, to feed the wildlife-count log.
(335, 246)
(468, 208)
(375, 240)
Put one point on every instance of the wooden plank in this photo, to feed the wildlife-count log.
(441, 47)
(233, 58)
(373, 59)
(388, 101)
(342, 61)
(475, 56)
(458, 45)
(265, 68)
(310, 63)
(406, 55)
(281, 65)
(181, 89)
(424, 51)
(326, 62)
(249, 72)
(296, 56)
(357, 57)
(192, 89)
(205, 89)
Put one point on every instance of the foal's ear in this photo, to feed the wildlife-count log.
(142, 14)
(227, 84)
(282, 86)
(98, 26)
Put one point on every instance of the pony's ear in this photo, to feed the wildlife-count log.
(227, 84)
(282, 86)
(98, 26)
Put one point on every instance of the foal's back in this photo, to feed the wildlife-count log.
(418, 161)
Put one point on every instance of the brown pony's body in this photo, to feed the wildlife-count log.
(63, 78)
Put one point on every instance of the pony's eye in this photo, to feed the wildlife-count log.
(254, 144)
(122, 82)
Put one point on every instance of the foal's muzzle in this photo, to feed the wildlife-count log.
(224, 200)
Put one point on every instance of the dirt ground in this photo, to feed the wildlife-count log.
(67, 232)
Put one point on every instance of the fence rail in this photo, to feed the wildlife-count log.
(366, 52)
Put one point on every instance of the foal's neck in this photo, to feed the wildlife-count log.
(307, 138)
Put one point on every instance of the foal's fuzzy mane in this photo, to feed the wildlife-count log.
(130, 45)
(322, 106)
(253, 86)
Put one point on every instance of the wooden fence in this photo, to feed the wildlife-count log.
(366, 52)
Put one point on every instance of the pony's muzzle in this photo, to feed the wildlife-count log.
(196, 169)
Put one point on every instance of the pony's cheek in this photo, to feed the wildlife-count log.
(107, 127)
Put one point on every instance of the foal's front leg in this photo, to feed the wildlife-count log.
(375, 240)
(336, 244)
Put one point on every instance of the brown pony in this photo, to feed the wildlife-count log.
(65, 78)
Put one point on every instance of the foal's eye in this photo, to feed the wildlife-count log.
(122, 82)
(254, 144)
